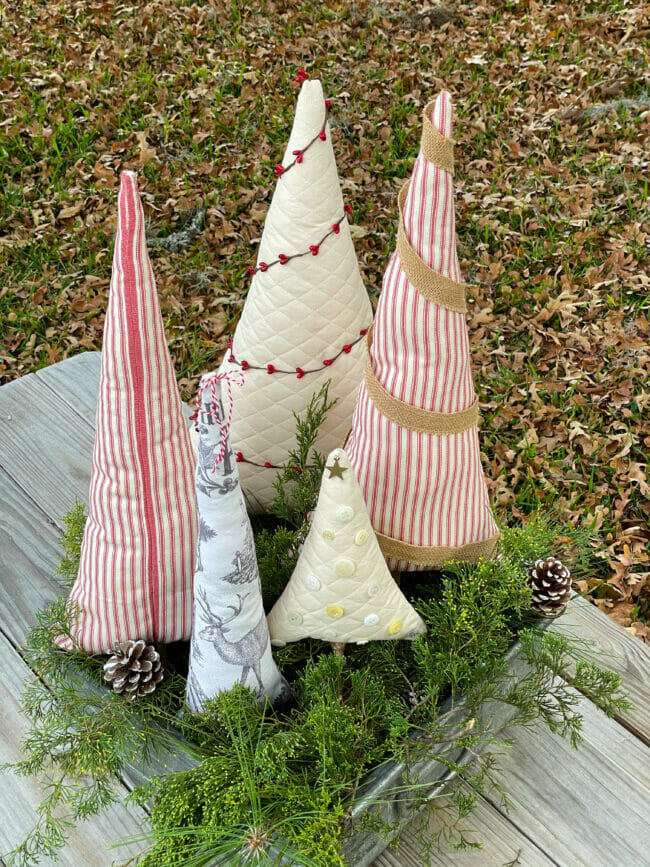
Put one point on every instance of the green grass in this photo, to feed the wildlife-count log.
(548, 205)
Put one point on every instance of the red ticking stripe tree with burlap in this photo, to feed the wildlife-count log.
(414, 441)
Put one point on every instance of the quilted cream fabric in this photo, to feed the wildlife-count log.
(341, 589)
(299, 314)
(230, 637)
(425, 491)
(137, 555)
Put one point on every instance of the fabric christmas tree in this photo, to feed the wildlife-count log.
(306, 314)
(230, 637)
(414, 440)
(135, 573)
(341, 590)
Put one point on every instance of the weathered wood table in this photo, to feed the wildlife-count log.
(587, 807)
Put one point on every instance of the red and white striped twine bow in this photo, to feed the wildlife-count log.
(229, 378)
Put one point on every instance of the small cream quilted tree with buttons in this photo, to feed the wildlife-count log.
(341, 589)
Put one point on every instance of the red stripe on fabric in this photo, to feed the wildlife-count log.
(121, 496)
(139, 447)
(156, 430)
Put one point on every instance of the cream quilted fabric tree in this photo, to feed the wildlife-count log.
(341, 590)
(306, 313)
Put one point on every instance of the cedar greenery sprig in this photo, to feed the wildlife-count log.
(259, 781)
(297, 485)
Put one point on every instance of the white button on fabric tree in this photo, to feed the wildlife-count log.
(230, 638)
(306, 314)
(341, 590)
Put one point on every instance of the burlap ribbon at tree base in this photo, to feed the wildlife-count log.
(412, 417)
(429, 283)
(436, 147)
(435, 557)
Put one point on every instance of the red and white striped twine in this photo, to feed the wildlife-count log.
(229, 378)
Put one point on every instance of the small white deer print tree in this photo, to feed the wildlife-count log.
(341, 589)
(230, 637)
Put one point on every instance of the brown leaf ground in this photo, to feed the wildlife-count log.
(553, 118)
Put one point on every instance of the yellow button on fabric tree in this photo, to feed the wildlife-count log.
(394, 627)
(334, 611)
(343, 568)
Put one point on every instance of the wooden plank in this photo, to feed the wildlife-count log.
(76, 381)
(45, 446)
(585, 806)
(615, 649)
(501, 843)
(29, 554)
(88, 843)
(611, 759)
(558, 794)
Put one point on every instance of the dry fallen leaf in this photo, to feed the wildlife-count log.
(71, 211)
(147, 153)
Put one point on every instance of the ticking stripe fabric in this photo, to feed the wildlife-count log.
(137, 555)
(426, 493)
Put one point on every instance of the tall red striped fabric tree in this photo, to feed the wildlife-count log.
(414, 441)
(138, 549)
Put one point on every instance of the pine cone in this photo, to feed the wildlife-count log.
(551, 583)
(134, 669)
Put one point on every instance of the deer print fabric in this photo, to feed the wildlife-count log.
(230, 637)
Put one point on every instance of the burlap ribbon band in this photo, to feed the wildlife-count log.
(433, 557)
(412, 417)
(435, 146)
(429, 283)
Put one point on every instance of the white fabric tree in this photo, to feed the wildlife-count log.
(341, 590)
(230, 638)
(306, 313)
